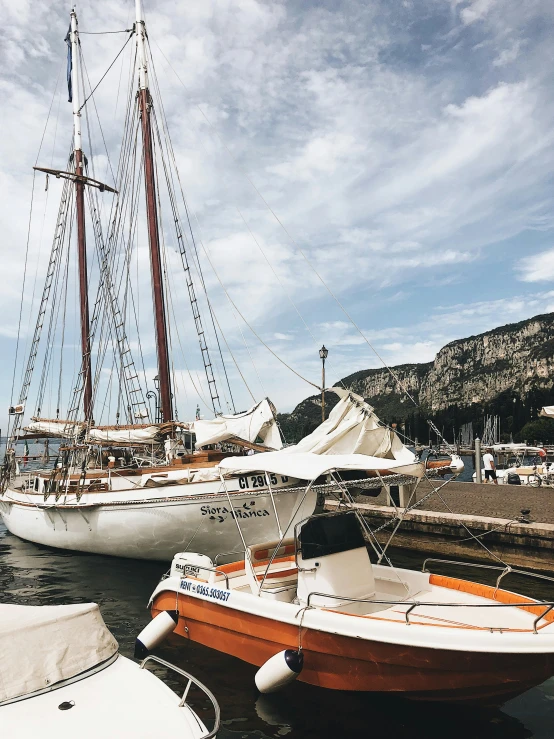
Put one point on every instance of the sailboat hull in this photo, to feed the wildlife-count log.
(153, 528)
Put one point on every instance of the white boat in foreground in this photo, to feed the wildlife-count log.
(61, 677)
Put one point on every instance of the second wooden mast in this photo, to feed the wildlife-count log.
(81, 232)
(144, 102)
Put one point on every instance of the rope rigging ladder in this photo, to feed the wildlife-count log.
(53, 266)
(172, 188)
(208, 367)
(128, 369)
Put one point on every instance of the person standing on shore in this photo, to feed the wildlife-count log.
(490, 467)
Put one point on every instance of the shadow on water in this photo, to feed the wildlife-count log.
(36, 575)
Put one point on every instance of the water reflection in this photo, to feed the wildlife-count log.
(36, 575)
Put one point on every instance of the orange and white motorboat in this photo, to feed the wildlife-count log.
(314, 607)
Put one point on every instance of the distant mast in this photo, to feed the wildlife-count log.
(81, 233)
(152, 219)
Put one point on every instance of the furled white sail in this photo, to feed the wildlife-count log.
(353, 428)
(258, 421)
(352, 438)
(125, 435)
(54, 428)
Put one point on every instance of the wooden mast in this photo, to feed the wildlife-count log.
(81, 233)
(144, 102)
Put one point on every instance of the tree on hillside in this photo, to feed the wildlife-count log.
(541, 429)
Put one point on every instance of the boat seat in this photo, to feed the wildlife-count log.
(334, 562)
(262, 553)
(228, 571)
(278, 579)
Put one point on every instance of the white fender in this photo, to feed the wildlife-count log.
(155, 632)
(279, 670)
(456, 464)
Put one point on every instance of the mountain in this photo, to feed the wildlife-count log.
(508, 371)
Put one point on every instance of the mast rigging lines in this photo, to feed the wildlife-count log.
(113, 256)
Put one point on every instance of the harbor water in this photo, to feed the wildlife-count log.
(37, 575)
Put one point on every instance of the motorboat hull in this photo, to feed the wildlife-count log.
(154, 528)
(339, 662)
(443, 657)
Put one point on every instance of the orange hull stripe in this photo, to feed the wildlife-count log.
(232, 567)
(487, 591)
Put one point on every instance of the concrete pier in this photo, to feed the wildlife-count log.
(440, 527)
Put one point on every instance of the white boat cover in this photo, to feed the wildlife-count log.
(138, 435)
(352, 438)
(42, 645)
(258, 421)
(515, 448)
(547, 411)
(64, 429)
(353, 428)
(308, 466)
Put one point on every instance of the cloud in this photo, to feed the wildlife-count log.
(476, 10)
(536, 268)
(508, 55)
(283, 337)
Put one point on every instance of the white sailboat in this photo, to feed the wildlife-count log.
(135, 489)
(131, 490)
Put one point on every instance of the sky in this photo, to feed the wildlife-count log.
(392, 158)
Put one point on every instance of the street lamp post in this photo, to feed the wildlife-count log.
(155, 395)
(323, 352)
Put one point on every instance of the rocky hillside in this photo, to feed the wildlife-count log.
(508, 371)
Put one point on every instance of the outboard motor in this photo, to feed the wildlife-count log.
(191, 564)
(513, 479)
(185, 564)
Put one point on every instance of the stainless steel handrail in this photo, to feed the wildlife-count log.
(415, 604)
(191, 680)
(542, 615)
(224, 554)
